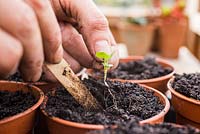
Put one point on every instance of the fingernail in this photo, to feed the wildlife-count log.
(102, 46)
(115, 58)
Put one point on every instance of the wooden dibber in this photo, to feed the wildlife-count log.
(73, 84)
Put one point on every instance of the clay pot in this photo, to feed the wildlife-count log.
(114, 27)
(137, 38)
(173, 124)
(159, 83)
(59, 126)
(184, 121)
(172, 36)
(187, 109)
(22, 123)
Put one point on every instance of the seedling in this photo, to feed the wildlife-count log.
(105, 57)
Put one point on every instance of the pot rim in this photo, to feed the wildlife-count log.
(179, 95)
(29, 110)
(39, 83)
(96, 127)
(159, 60)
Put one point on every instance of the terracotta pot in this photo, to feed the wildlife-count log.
(114, 27)
(159, 83)
(184, 121)
(22, 123)
(60, 126)
(188, 108)
(172, 36)
(44, 86)
(173, 124)
(137, 38)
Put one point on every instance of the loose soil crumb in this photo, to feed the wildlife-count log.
(12, 103)
(135, 128)
(132, 102)
(15, 77)
(138, 70)
(188, 85)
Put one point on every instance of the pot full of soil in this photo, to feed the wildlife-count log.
(138, 38)
(18, 105)
(153, 72)
(134, 127)
(184, 121)
(172, 36)
(120, 102)
(185, 90)
(45, 86)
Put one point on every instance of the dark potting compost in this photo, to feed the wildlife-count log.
(12, 103)
(17, 77)
(138, 70)
(136, 128)
(121, 102)
(188, 85)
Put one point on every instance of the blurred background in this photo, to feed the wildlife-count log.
(163, 28)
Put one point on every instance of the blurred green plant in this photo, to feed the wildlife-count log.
(139, 21)
(176, 12)
(123, 3)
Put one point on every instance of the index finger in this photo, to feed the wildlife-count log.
(49, 28)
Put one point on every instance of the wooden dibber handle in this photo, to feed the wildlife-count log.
(73, 84)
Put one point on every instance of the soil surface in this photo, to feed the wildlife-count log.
(188, 85)
(12, 103)
(128, 101)
(17, 77)
(138, 70)
(135, 128)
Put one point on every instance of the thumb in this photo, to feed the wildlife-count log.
(94, 27)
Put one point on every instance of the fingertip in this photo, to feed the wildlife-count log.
(31, 78)
(31, 71)
(55, 57)
(58, 55)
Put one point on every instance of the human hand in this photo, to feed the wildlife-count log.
(29, 33)
(85, 31)
(34, 28)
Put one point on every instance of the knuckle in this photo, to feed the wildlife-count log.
(27, 23)
(54, 40)
(98, 23)
(75, 38)
(40, 4)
